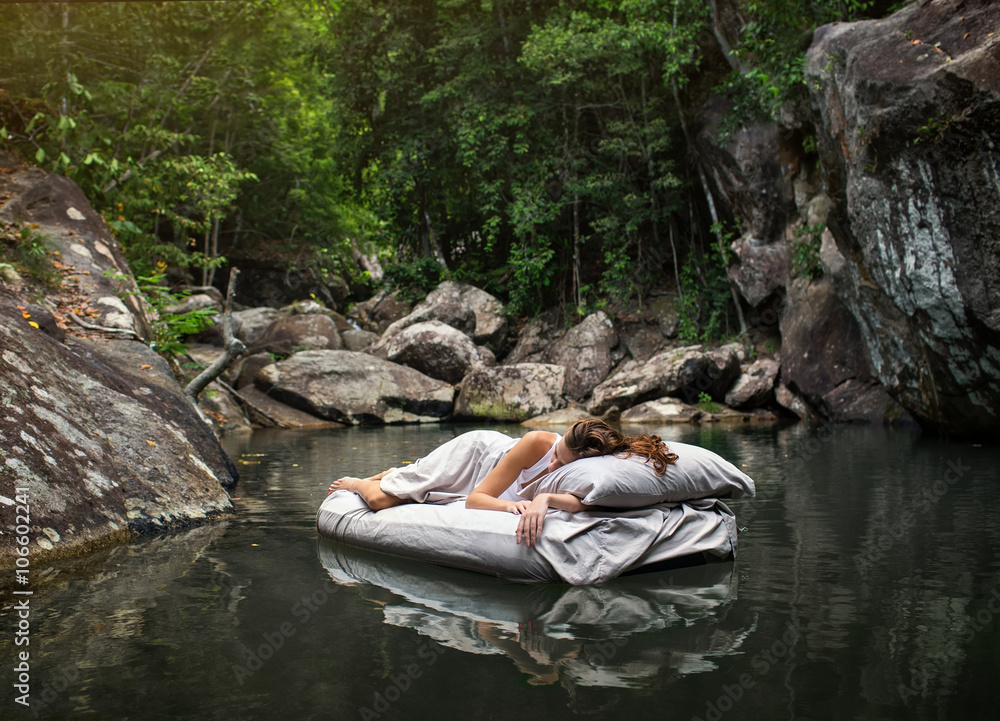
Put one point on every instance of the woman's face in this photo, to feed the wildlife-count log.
(560, 456)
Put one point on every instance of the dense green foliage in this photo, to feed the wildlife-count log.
(537, 148)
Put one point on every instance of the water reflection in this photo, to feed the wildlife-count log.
(573, 635)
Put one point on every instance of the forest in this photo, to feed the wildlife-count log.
(543, 150)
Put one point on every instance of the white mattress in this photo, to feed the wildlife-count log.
(576, 548)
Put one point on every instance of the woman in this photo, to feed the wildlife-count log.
(496, 468)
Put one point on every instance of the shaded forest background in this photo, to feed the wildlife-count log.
(542, 150)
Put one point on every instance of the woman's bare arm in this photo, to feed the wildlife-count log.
(525, 453)
(529, 527)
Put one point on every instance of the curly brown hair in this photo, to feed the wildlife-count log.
(593, 437)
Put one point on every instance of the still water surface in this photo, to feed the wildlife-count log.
(867, 587)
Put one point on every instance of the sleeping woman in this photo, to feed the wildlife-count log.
(490, 469)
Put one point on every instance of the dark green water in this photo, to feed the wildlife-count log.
(867, 587)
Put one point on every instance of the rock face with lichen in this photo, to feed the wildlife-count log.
(95, 431)
(910, 142)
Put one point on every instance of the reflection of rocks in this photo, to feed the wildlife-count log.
(128, 591)
(606, 635)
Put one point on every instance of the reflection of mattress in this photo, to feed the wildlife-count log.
(577, 548)
(607, 635)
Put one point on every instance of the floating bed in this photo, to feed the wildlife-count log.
(640, 521)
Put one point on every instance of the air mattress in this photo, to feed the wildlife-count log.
(576, 548)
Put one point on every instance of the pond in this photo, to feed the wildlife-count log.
(867, 586)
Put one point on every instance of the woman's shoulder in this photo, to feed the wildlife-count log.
(542, 439)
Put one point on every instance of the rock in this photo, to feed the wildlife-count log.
(685, 372)
(291, 334)
(822, 349)
(793, 403)
(585, 352)
(378, 313)
(562, 417)
(672, 410)
(270, 413)
(449, 311)
(536, 336)
(641, 338)
(103, 439)
(491, 320)
(44, 319)
(9, 274)
(908, 139)
(223, 410)
(198, 301)
(664, 309)
(749, 174)
(511, 392)
(662, 410)
(437, 350)
(355, 388)
(88, 252)
(249, 367)
(250, 323)
(358, 340)
(755, 386)
(762, 269)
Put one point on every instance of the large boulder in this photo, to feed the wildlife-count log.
(535, 338)
(355, 388)
(437, 350)
(378, 313)
(251, 323)
(512, 392)
(102, 439)
(908, 107)
(95, 427)
(291, 334)
(680, 372)
(58, 212)
(464, 307)
(755, 386)
(585, 352)
(823, 349)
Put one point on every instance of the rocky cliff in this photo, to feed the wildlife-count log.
(909, 111)
(96, 435)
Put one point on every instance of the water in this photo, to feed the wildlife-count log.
(867, 587)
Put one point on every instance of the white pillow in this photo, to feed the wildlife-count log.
(632, 482)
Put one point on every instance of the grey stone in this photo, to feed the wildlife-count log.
(511, 392)
(355, 388)
(437, 350)
(755, 386)
(292, 334)
(585, 352)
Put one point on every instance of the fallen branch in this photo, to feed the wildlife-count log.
(103, 329)
(233, 346)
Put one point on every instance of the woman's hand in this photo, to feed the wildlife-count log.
(517, 507)
(529, 527)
